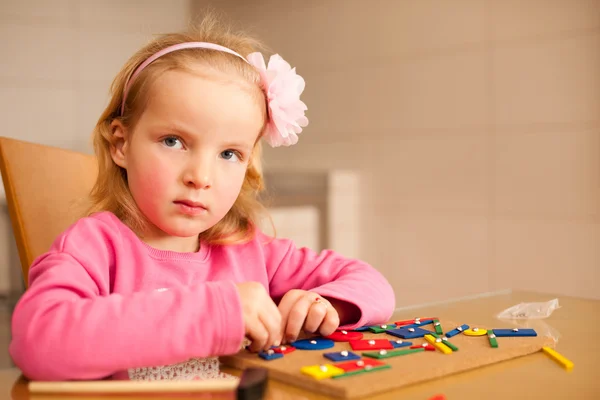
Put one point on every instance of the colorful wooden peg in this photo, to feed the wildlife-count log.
(360, 364)
(416, 321)
(457, 330)
(420, 324)
(269, 355)
(407, 333)
(438, 397)
(344, 336)
(371, 344)
(567, 364)
(404, 322)
(437, 342)
(438, 327)
(475, 332)
(493, 341)
(313, 344)
(445, 341)
(426, 346)
(423, 321)
(321, 371)
(400, 343)
(515, 332)
(283, 349)
(381, 328)
(388, 354)
(343, 355)
(364, 370)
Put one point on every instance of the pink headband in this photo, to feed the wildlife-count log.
(280, 82)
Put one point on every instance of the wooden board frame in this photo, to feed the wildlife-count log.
(474, 352)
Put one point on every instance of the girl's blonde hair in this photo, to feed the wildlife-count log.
(111, 191)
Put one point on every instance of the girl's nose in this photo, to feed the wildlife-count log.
(199, 175)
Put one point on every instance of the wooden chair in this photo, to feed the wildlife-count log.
(46, 191)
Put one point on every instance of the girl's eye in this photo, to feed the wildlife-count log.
(231, 155)
(172, 142)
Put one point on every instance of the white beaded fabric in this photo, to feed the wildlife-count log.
(192, 369)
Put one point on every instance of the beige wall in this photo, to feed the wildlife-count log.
(475, 126)
(58, 60)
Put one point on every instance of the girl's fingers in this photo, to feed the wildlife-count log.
(271, 320)
(297, 315)
(286, 304)
(306, 311)
(316, 314)
(330, 323)
(258, 335)
(266, 331)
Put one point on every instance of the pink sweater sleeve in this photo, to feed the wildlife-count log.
(68, 324)
(332, 275)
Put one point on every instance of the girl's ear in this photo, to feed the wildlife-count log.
(119, 143)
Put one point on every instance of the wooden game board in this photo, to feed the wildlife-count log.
(474, 352)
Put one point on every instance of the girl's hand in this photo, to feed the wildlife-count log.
(262, 319)
(303, 310)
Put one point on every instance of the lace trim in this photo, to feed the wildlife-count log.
(192, 369)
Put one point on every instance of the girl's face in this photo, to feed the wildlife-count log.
(187, 156)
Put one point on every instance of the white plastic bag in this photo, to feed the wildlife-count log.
(530, 310)
(530, 315)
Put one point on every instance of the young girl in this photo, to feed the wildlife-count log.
(169, 270)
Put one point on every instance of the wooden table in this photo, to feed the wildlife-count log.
(577, 323)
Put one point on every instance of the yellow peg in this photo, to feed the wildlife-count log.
(439, 345)
(558, 358)
(322, 371)
(475, 332)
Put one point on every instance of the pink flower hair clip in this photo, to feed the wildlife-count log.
(283, 88)
(281, 84)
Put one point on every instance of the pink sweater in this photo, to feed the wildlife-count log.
(101, 301)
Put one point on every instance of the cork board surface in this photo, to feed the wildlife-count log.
(473, 352)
